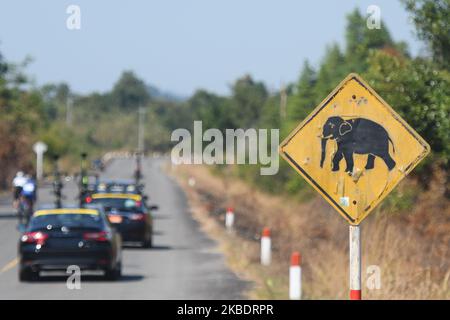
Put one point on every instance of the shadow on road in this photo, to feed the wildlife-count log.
(129, 246)
(161, 217)
(161, 247)
(7, 216)
(88, 278)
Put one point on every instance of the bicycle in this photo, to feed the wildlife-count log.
(25, 210)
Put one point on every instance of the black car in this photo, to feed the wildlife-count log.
(58, 238)
(130, 214)
(119, 186)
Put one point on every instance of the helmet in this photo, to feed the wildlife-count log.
(20, 174)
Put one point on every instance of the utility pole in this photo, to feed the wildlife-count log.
(69, 106)
(39, 148)
(84, 179)
(283, 102)
(141, 114)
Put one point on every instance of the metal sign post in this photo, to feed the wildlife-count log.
(355, 263)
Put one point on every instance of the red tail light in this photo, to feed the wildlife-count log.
(37, 237)
(97, 236)
(88, 199)
(138, 216)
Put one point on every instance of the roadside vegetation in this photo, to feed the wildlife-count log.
(409, 247)
(418, 87)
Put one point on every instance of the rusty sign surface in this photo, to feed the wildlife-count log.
(354, 149)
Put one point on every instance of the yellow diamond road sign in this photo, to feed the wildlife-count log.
(354, 149)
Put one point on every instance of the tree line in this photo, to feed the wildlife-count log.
(417, 87)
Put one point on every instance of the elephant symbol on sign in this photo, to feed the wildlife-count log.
(360, 136)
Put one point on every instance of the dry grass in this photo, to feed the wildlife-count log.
(411, 248)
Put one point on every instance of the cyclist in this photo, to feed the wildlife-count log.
(137, 171)
(18, 183)
(28, 197)
(57, 189)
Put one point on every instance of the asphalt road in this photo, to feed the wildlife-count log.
(184, 263)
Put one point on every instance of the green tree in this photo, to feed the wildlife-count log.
(3, 66)
(21, 111)
(94, 105)
(129, 92)
(332, 70)
(55, 98)
(209, 108)
(432, 21)
(270, 112)
(360, 39)
(419, 92)
(304, 99)
(248, 98)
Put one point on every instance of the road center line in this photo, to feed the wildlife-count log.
(10, 265)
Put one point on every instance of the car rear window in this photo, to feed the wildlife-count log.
(116, 188)
(123, 204)
(50, 221)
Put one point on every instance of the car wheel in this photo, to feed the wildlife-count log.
(147, 243)
(114, 274)
(26, 274)
(119, 269)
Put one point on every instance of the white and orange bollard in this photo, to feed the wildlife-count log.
(295, 277)
(355, 263)
(266, 247)
(229, 219)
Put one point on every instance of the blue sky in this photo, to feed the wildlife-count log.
(180, 45)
